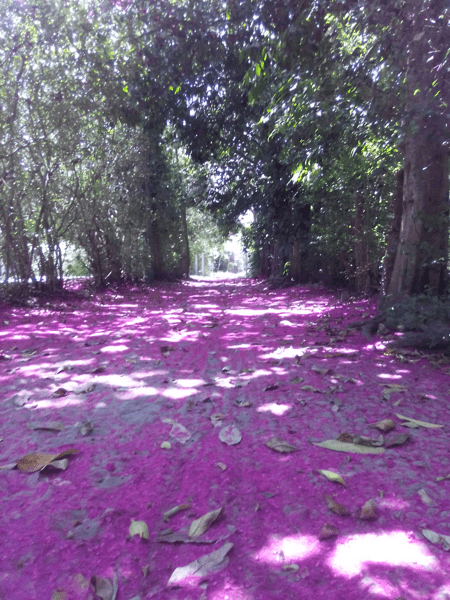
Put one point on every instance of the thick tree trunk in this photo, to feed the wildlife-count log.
(421, 259)
(276, 270)
(155, 247)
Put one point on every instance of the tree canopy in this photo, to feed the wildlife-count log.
(328, 121)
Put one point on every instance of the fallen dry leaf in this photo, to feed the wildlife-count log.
(338, 509)
(60, 392)
(364, 440)
(271, 388)
(21, 398)
(417, 422)
(139, 528)
(398, 440)
(200, 525)
(202, 567)
(425, 498)
(384, 425)
(50, 426)
(344, 378)
(338, 354)
(242, 403)
(65, 367)
(104, 588)
(61, 464)
(8, 467)
(35, 462)
(328, 531)
(304, 572)
(238, 383)
(182, 536)
(86, 428)
(280, 445)
(345, 437)
(446, 477)
(85, 388)
(175, 510)
(392, 388)
(230, 435)
(178, 431)
(166, 350)
(30, 352)
(216, 419)
(338, 446)
(368, 512)
(437, 538)
(310, 388)
(320, 370)
(332, 476)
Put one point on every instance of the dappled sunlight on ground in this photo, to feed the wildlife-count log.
(276, 409)
(395, 548)
(184, 387)
(281, 550)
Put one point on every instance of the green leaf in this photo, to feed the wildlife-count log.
(417, 422)
(138, 528)
(338, 446)
(332, 476)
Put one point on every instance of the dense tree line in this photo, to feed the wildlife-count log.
(329, 121)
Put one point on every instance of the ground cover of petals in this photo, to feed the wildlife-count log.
(194, 409)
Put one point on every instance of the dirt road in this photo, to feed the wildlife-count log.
(170, 395)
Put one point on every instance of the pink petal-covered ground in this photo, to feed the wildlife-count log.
(230, 340)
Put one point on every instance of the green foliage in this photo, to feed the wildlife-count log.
(204, 234)
(123, 126)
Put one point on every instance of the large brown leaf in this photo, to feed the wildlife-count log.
(35, 462)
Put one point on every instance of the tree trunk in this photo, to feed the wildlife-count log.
(155, 248)
(296, 262)
(185, 255)
(393, 237)
(421, 259)
(264, 267)
(276, 269)
(362, 277)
